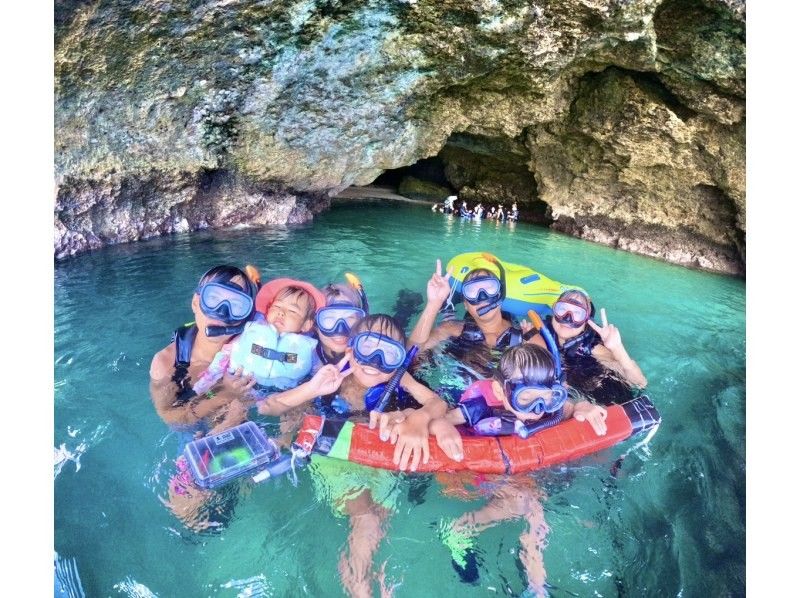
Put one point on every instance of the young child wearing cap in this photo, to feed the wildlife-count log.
(273, 348)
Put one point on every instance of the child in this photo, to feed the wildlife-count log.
(367, 496)
(345, 306)
(524, 396)
(590, 351)
(272, 347)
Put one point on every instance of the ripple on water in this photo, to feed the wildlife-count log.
(670, 521)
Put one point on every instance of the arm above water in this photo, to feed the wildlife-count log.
(164, 391)
(327, 380)
(612, 353)
(438, 290)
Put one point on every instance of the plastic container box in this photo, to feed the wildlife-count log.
(216, 460)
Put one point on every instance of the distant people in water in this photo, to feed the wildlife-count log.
(464, 212)
(501, 216)
(449, 204)
(513, 216)
(492, 214)
(477, 211)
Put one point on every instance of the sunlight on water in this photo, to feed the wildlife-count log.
(670, 522)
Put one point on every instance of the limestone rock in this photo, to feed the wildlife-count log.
(173, 115)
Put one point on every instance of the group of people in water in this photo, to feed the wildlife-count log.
(200, 385)
(478, 212)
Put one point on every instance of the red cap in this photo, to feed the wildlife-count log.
(266, 295)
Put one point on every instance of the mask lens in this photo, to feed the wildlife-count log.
(338, 320)
(565, 312)
(530, 398)
(223, 302)
(481, 288)
(379, 351)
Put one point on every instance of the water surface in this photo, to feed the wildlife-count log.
(670, 523)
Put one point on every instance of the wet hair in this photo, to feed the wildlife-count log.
(299, 293)
(337, 293)
(228, 274)
(573, 294)
(479, 272)
(382, 324)
(532, 363)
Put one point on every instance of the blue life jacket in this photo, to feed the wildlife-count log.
(275, 360)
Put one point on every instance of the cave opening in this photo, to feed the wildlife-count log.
(494, 171)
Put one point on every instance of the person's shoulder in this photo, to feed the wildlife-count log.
(163, 363)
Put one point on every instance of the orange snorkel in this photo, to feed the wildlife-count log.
(355, 282)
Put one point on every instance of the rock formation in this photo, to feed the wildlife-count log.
(621, 120)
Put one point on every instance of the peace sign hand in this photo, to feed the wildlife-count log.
(439, 286)
(329, 378)
(609, 333)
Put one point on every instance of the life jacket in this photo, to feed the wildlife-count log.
(510, 337)
(486, 415)
(275, 360)
(580, 345)
(184, 338)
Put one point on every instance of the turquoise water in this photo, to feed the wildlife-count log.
(670, 523)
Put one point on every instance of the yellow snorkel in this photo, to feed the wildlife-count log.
(355, 282)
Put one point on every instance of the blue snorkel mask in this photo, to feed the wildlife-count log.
(486, 288)
(338, 319)
(526, 398)
(378, 351)
(227, 302)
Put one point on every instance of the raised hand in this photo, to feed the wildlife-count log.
(609, 333)
(329, 378)
(438, 286)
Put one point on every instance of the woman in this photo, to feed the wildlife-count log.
(595, 360)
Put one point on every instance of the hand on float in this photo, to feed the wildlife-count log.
(410, 438)
(594, 414)
(438, 285)
(385, 421)
(448, 438)
(609, 333)
(237, 384)
(328, 378)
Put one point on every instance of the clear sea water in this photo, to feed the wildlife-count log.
(670, 523)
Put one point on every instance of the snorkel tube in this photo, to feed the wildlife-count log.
(487, 308)
(539, 326)
(212, 331)
(377, 398)
(355, 282)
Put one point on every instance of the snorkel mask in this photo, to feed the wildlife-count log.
(378, 351)
(338, 319)
(525, 397)
(572, 312)
(486, 288)
(226, 301)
